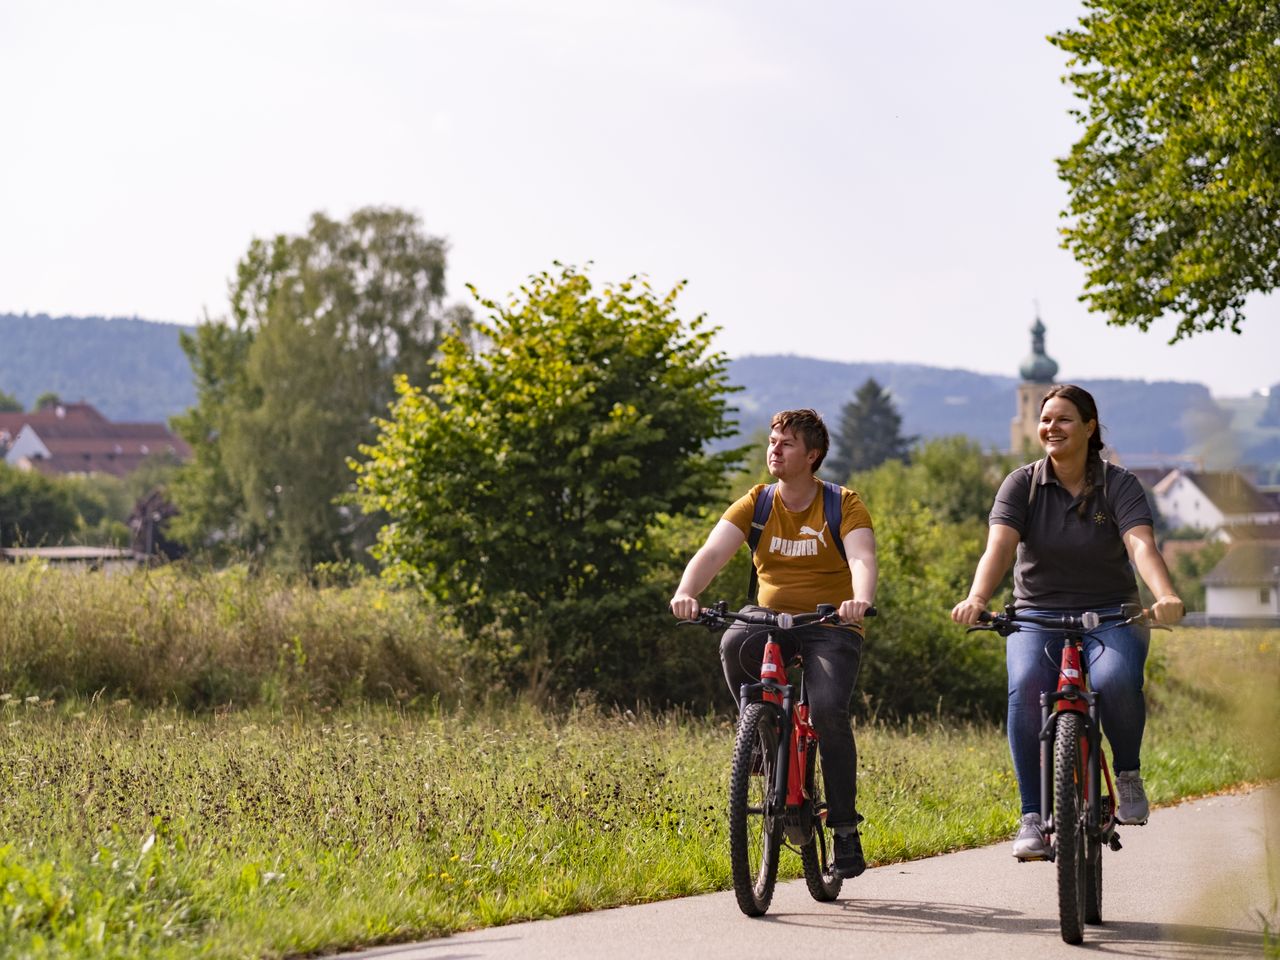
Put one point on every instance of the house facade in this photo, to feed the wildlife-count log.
(1245, 585)
(1212, 500)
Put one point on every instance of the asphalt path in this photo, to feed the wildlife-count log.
(1194, 883)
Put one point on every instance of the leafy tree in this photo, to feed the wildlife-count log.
(34, 510)
(952, 476)
(1175, 183)
(931, 525)
(320, 324)
(524, 487)
(47, 399)
(870, 432)
(9, 403)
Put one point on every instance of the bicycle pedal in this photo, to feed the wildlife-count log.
(1114, 843)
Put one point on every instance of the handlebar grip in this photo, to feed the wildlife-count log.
(986, 616)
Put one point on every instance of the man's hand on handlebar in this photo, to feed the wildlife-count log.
(685, 607)
(852, 611)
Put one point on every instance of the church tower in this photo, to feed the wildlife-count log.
(1038, 371)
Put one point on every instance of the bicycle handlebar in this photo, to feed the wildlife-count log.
(1011, 621)
(721, 616)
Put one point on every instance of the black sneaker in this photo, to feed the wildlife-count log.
(849, 862)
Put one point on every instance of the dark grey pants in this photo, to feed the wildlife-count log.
(832, 656)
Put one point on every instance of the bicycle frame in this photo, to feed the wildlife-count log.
(789, 777)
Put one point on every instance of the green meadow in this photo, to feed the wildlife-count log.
(320, 815)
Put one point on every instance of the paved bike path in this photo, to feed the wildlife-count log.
(1193, 883)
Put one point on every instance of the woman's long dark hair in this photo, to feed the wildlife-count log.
(1084, 403)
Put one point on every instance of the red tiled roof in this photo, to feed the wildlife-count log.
(84, 441)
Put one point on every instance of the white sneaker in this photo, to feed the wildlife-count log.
(1133, 808)
(1029, 843)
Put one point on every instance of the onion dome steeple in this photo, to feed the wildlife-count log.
(1039, 367)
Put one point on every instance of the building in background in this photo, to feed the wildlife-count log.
(1037, 371)
(75, 438)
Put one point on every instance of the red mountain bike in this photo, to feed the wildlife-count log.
(1079, 816)
(775, 785)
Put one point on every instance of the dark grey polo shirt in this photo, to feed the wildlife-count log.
(1066, 561)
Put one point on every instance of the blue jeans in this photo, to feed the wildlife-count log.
(832, 656)
(1116, 656)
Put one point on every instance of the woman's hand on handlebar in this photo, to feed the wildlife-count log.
(1167, 611)
(685, 607)
(852, 611)
(968, 611)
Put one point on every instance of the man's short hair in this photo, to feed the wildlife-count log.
(808, 426)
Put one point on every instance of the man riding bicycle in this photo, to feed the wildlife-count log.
(799, 565)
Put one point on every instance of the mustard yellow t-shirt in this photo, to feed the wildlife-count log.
(797, 561)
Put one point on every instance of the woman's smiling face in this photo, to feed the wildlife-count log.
(1063, 434)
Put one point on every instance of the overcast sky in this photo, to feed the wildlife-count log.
(853, 181)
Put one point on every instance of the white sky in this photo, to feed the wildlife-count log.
(853, 181)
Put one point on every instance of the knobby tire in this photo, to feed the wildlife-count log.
(818, 854)
(1068, 824)
(755, 826)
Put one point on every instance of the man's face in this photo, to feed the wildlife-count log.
(788, 457)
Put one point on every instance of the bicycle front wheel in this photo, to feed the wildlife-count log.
(1069, 825)
(818, 854)
(755, 819)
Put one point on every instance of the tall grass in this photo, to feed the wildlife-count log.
(203, 639)
(160, 832)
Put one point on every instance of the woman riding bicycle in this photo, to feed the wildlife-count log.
(1078, 527)
(799, 566)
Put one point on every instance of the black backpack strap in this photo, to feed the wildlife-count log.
(764, 507)
(832, 497)
(1036, 473)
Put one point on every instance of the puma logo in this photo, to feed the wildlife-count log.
(799, 548)
(810, 532)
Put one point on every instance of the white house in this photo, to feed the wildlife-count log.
(1245, 583)
(1207, 501)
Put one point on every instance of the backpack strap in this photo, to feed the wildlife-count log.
(832, 512)
(764, 507)
(1036, 473)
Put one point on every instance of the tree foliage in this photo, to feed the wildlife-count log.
(870, 432)
(9, 403)
(35, 511)
(930, 518)
(1175, 184)
(288, 389)
(525, 486)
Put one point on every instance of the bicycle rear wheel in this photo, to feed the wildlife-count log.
(818, 854)
(1068, 824)
(755, 820)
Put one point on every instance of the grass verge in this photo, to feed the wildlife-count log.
(265, 833)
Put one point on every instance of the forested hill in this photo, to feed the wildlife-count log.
(1140, 417)
(132, 370)
(135, 370)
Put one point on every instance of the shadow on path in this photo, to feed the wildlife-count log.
(1167, 941)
